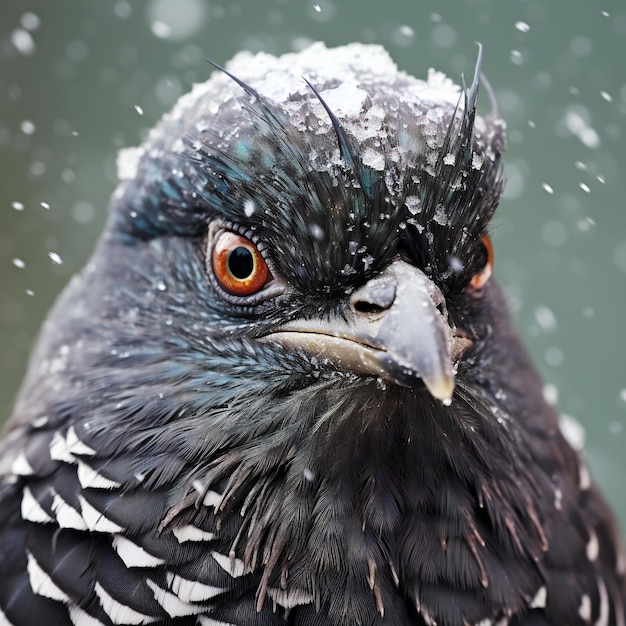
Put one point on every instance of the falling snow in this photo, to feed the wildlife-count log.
(456, 265)
(177, 20)
(554, 356)
(585, 224)
(30, 21)
(545, 318)
(23, 41)
(403, 35)
(318, 232)
(579, 127)
(551, 393)
(160, 30)
(573, 431)
(27, 127)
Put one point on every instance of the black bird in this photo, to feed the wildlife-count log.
(285, 389)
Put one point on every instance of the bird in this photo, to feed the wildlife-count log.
(286, 388)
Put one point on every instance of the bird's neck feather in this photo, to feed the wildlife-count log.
(369, 475)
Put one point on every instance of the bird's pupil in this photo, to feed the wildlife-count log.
(241, 263)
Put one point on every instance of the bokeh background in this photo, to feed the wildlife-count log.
(80, 79)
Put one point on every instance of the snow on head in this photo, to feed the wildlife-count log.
(359, 83)
(393, 121)
(353, 64)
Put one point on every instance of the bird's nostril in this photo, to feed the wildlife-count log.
(376, 296)
(368, 307)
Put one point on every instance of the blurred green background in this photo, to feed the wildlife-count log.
(80, 79)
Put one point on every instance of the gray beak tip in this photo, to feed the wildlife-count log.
(441, 388)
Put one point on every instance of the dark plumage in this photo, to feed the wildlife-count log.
(284, 389)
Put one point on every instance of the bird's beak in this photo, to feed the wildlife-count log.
(397, 328)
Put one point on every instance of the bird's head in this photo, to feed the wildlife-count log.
(296, 227)
(338, 210)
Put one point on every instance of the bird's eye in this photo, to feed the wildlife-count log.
(238, 265)
(479, 279)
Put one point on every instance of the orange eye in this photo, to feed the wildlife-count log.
(478, 280)
(238, 266)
